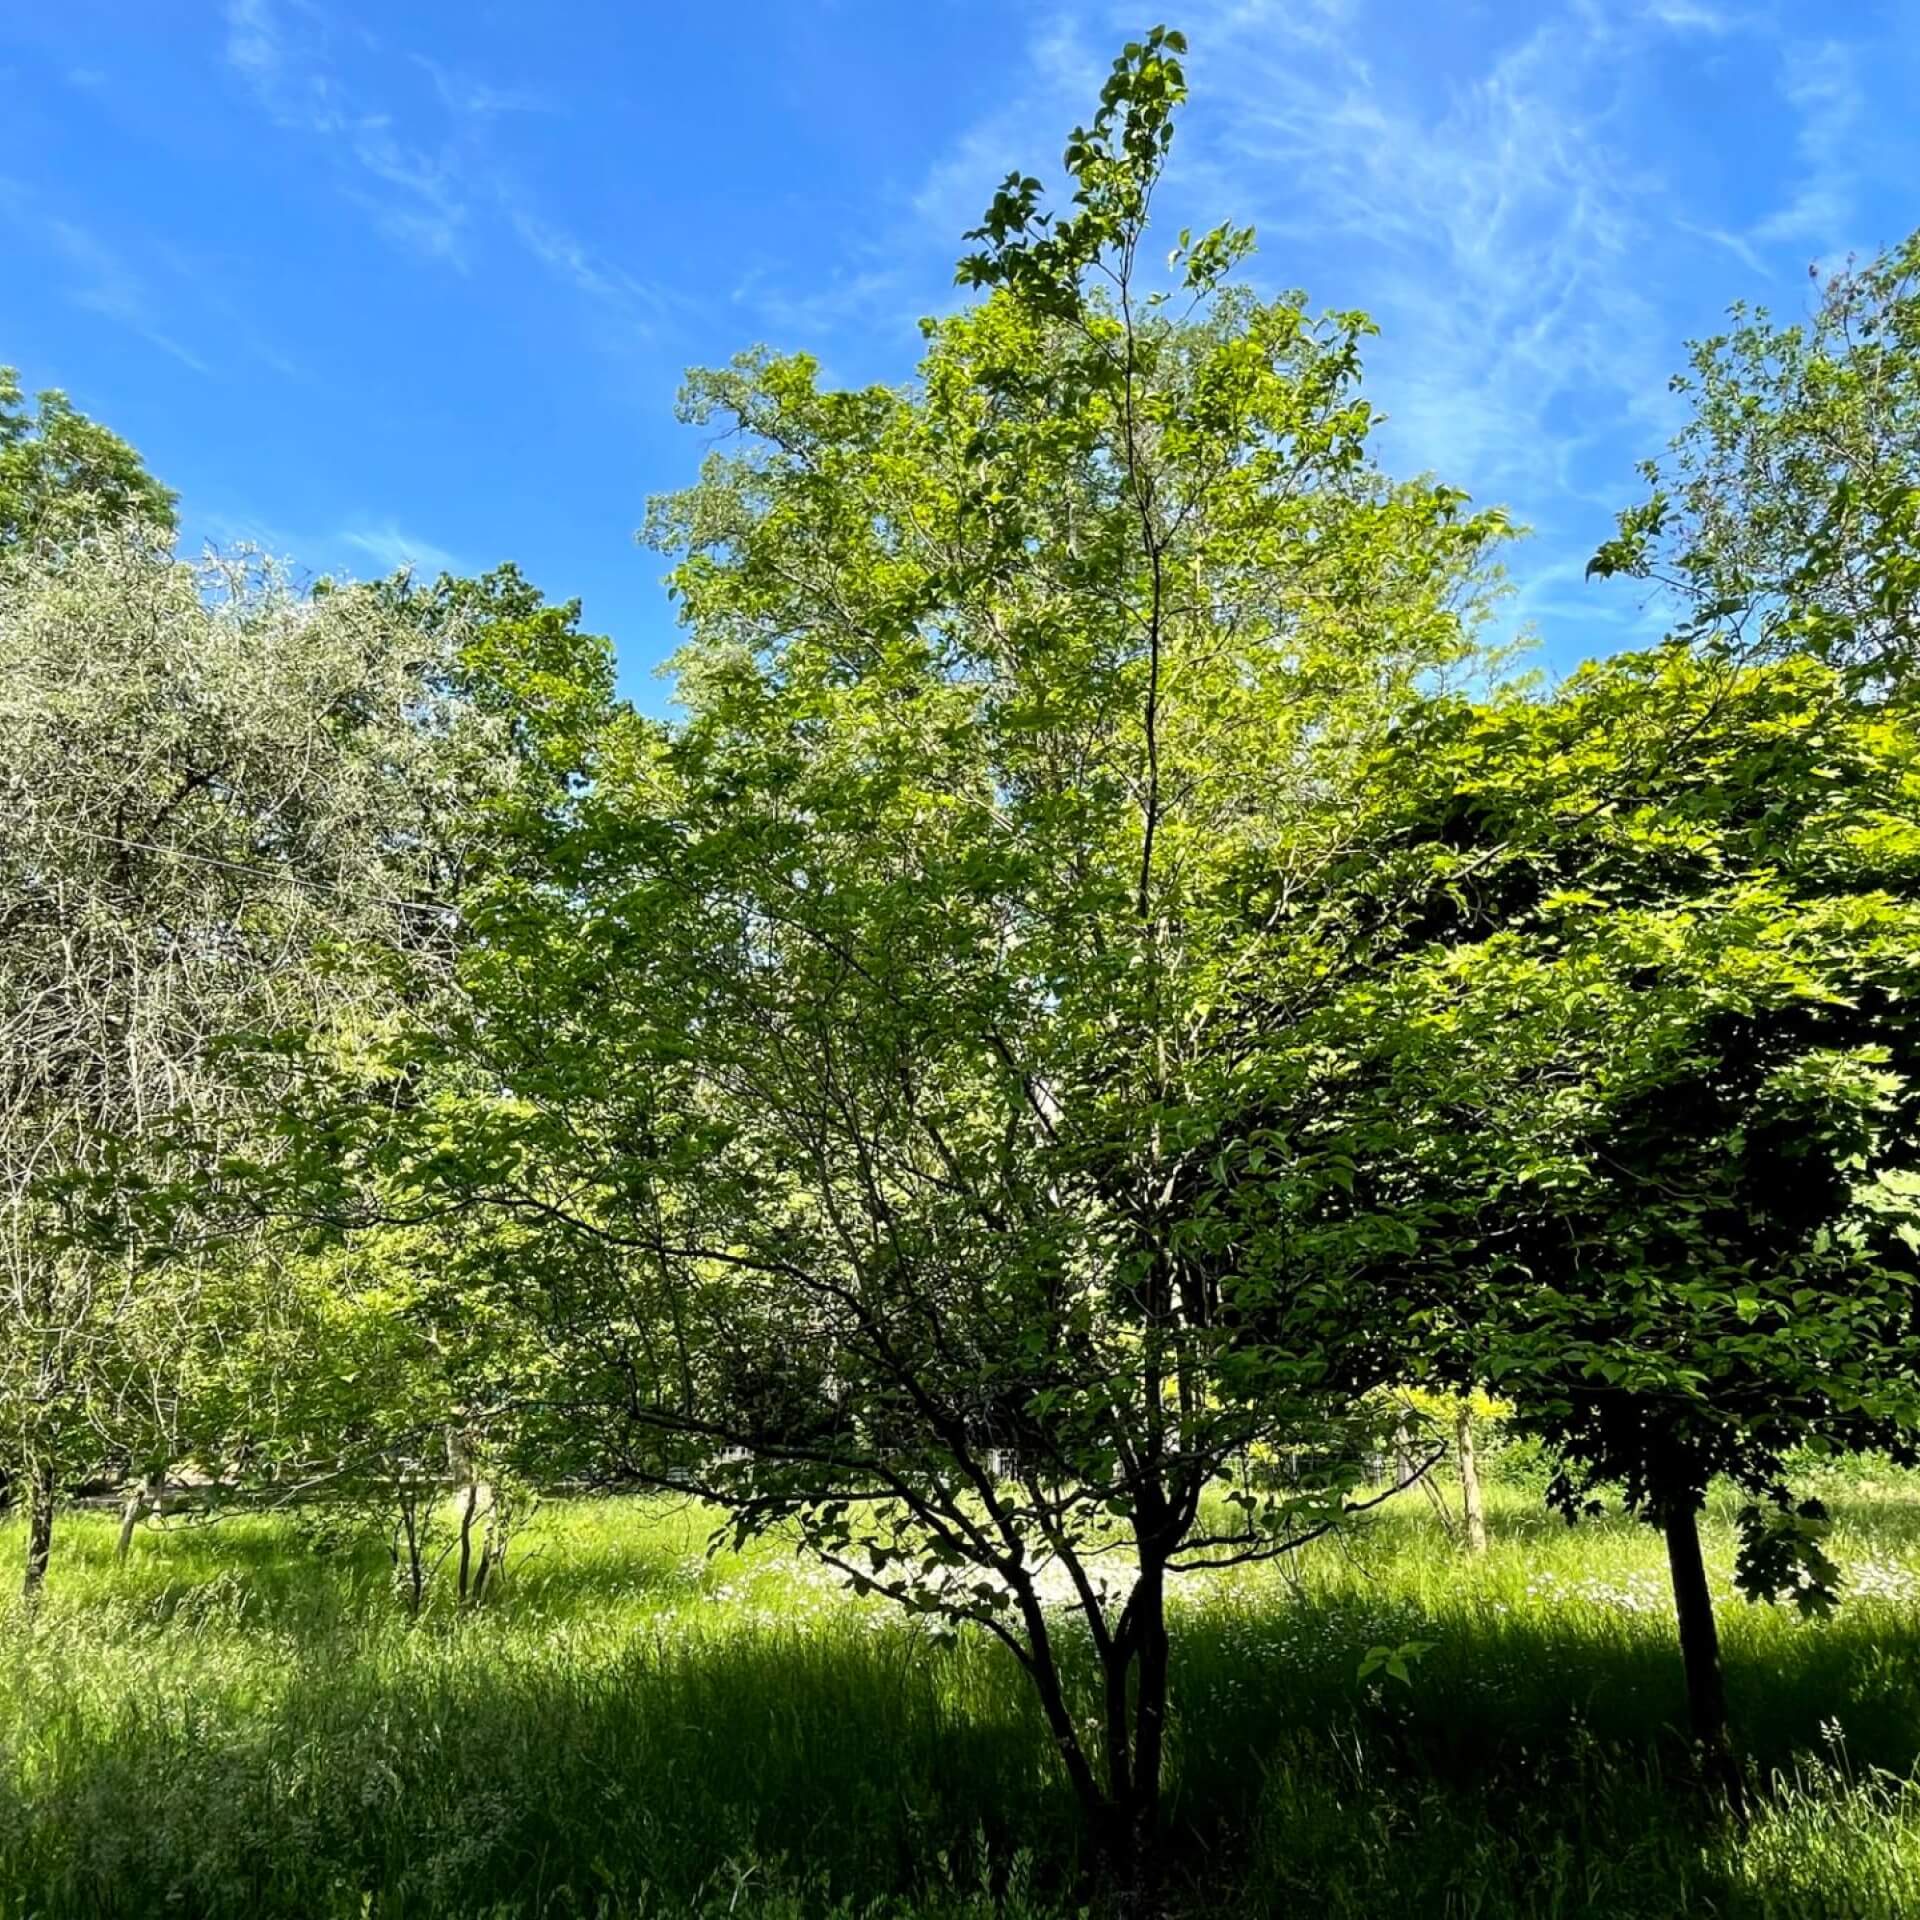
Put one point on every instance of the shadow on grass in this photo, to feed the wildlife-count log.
(486, 1770)
(1500, 1691)
(525, 1762)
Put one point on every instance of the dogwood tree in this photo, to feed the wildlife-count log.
(1641, 1095)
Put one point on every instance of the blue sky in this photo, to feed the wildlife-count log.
(418, 280)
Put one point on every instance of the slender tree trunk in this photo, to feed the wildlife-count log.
(1700, 1653)
(1472, 1509)
(1402, 1450)
(143, 1495)
(1123, 1821)
(39, 1530)
(1149, 1737)
(476, 1503)
(477, 1524)
(492, 1552)
(130, 1510)
(469, 1506)
(1136, 1690)
(1115, 1821)
(1043, 1670)
(411, 1569)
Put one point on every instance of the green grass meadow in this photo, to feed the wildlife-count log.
(235, 1724)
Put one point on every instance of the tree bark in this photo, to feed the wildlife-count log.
(476, 1503)
(1472, 1509)
(1136, 1689)
(39, 1531)
(409, 1553)
(493, 1550)
(1044, 1671)
(144, 1494)
(476, 1507)
(1700, 1653)
(1149, 1738)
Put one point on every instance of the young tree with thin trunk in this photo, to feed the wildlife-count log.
(1645, 1092)
(1473, 1512)
(890, 1065)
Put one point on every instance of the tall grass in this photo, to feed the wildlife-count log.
(233, 1725)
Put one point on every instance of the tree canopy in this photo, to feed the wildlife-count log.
(1786, 514)
(869, 1049)
(62, 474)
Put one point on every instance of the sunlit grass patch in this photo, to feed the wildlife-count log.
(233, 1724)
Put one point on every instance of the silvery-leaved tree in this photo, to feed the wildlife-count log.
(207, 781)
(873, 1050)
(381, 1375)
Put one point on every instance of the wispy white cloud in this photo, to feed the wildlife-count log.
(881, 299)
(883, 285)
(436, 198)
(460, 93)
(1822, 85)
(1059, 73)
(1498, 214)
(636, 304)
(1693, 16)
(106, 285)
(391, 547)
(254, 45)
(364, 547)
(1736, 244)
(1491, 225)
(169, 280)
(97, 279)
(285, 55)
